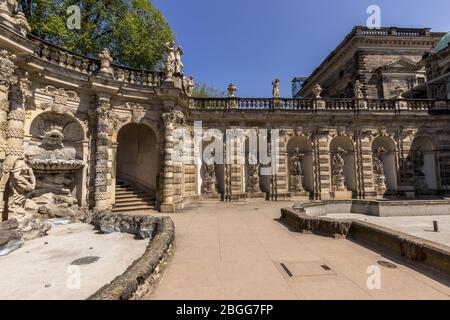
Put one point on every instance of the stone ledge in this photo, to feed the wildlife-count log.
(428, 253)
(142, 277)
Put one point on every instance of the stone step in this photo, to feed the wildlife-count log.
(133, 208)
(135, 202)
(125, 197)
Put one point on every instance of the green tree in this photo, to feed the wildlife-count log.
(202, 90)
(134, 31)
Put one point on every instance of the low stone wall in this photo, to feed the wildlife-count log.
(380, 208)
(426, 252)
(142, 276)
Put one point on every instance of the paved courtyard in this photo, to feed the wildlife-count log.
(235, 251)
(42, 269)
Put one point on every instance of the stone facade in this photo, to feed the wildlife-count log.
(381, 59)
(74, 124)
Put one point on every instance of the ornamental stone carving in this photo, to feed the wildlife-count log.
(64, 101)
(358, 94)
(137, 111)
(209, 181)
(22, 184)
(188, 85)
(169, 65)
(317, 91)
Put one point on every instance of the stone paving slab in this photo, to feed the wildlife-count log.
(234, 251)
(39, 270)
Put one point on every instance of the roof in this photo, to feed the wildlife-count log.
(443, 43)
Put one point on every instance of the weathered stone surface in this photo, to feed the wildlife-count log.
(143, 275)
(141, 226)
(35, 228)
(10, 236)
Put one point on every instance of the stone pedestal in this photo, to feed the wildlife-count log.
(256, 195)
(343, 195)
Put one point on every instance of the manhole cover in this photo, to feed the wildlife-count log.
(387, 264)
(84, 261)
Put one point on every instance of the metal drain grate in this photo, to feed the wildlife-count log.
(387, 264)
(84, 261)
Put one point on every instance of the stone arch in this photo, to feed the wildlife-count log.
(345, 144)
(305, 148)
(137, 159)
(423, 157)
(384, 148)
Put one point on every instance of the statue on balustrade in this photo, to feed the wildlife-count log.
(276, 88)
(296, 172)
(169, 66)
(338, 169)
(178, 64)
(378, 169)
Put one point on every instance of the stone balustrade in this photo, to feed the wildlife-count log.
(90, 66)
(312, 105)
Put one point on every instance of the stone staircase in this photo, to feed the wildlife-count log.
(129, 198)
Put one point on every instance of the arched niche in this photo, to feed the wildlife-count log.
(210, 176)
(138, 157)
(349, 170)
(305, 150)
(384, 148)
(423, 158)
(55, 140)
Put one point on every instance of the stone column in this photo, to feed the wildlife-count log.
(364, 167)
(20, 92)
(7, 78)
(101, 116)
(170, 119)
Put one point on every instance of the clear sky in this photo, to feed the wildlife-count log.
(252, 42)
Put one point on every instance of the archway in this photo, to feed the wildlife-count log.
(300, 147)
(138, 158)
(424, 166)
(342, 163)
(383, 149)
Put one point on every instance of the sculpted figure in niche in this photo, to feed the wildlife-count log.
(378, 169)
(253, 174)
(338, 169)
(419, 175)
(296, 175)
(210, 181)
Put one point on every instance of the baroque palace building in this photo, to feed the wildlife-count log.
(79, 133)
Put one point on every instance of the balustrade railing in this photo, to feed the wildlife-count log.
(315, 105)
(90, 66)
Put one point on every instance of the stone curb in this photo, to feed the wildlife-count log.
(142, 277)
(428, 253)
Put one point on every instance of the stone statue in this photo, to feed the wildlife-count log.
(105, 62)
(358, 90)
(253, 174)
(189, 86)
(317, 91)
(419, 175)
(22, 184)
(169, 67)
(178, 64)
(338, 169)
(296, 172)
(210, 180)
(378, 169)
(276, 88)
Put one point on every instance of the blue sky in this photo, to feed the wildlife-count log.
(252, 42)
